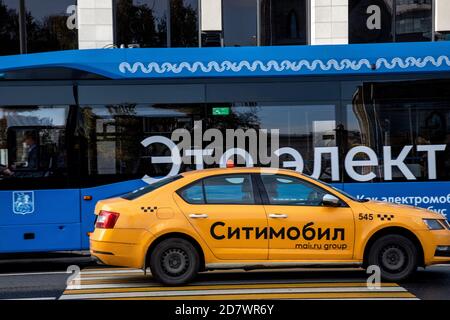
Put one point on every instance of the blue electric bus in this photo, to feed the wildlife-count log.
(80, 126)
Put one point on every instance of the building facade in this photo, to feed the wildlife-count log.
(29, 26)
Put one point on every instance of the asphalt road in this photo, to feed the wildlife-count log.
(48, 279)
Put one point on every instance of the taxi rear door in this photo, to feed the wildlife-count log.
(226, 211)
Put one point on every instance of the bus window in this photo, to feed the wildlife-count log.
(32, 144)
(399, 115)
(27, 147)
(301, 127)
(111, 139)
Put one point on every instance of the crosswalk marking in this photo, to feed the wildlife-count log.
(248, 292)
(244, 286)
(217, 287)
(109, 271)
(122, 283)
(309, 296)
(109, 276)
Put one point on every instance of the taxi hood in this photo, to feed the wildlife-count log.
(389, 208)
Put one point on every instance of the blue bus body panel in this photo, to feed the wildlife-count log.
(52, 220)
(44, 206)
(356, 59)
(434, 196)
(47, 237)
(41, 220)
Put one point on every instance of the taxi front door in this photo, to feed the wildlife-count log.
(300, 227)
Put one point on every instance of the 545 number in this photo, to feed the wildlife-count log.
(366, 216)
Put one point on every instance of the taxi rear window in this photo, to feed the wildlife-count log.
(151, 187)
(221, 189)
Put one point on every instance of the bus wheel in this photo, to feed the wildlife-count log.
(396, 256)
(174, 262)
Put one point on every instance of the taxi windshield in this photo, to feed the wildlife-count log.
(151, 187)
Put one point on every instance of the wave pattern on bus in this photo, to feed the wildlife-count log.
(284, 65)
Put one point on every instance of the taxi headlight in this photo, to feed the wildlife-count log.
(433, 224)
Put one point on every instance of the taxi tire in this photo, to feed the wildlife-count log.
(399, 245)
(175, 245)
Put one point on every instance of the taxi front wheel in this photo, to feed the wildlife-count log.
(174, 262)
(396, 256)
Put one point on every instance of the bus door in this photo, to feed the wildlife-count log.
(39, 209)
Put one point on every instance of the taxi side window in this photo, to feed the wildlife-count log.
(193, 194)
(286, 190)
(229, 189)
(225, 189)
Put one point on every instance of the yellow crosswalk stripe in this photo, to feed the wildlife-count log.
(95, 275)
(228, 286)
(264, 296)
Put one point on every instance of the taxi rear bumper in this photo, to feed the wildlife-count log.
(120, 247)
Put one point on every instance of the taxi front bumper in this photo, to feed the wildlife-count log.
(436, 246)
(120, 247)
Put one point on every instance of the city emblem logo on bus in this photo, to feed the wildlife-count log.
(23, 202)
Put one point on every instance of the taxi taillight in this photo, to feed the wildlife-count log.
(106, 219)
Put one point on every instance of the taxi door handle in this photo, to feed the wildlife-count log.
(198, 216)
(278, 216)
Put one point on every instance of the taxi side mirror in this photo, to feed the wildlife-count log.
(329, 200)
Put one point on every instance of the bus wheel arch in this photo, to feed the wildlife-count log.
(394, 231)
(175, 235)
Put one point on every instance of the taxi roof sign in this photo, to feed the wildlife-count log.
(230, 163)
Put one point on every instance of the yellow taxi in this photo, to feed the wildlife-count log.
(248, 218)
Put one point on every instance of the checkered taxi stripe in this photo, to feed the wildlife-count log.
(385, 217)
(149, 209)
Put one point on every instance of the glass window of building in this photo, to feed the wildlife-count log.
(9, 27)
(284, 22)
(184, 23)
(50, 25)
(239, 23)
(156, 23)
(442, 36)
(370, 21)
(141, 22)
(390, 21)
(413, 20)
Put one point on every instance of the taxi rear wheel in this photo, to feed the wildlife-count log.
(396, 256)
(174, 262)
